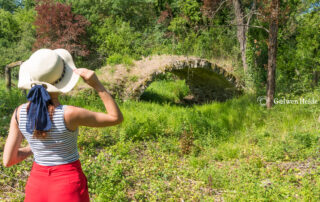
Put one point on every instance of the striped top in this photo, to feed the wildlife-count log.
(58, 147)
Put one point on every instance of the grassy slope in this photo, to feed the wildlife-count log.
(235, 150)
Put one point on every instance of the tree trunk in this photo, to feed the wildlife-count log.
(241, 31)
(272, 52)
(315, 78)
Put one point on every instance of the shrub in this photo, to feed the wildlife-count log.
(58, 27)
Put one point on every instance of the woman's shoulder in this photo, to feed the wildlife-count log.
(24, 105)
(70, 108)
(18, 110)
(70, 114)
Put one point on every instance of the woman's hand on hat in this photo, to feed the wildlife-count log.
(89, 77)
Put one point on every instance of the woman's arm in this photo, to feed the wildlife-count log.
(76, 116)
(12, 153)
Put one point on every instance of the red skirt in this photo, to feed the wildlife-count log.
(61, 183)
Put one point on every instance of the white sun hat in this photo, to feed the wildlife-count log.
(51, 68)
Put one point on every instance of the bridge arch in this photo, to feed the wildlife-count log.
(206, 80)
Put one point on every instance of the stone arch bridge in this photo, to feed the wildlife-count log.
(206, 80)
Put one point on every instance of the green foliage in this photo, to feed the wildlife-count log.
(161, 91)
(105, 177)
(25, 19)
(298, 55)
(308, 45)
(115, 29)
(257, 61)
(178, 26)
(28, 4)
(117, 37)
(198, 35)
(117, 58)
(238, 148)
(129, 10)
(17, 35)
(9, 28)
(9, 5)
(106, 38)
(190, 9)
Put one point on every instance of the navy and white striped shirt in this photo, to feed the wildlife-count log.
(58, 147)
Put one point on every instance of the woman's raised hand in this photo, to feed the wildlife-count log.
(83, 117)
(89, 77)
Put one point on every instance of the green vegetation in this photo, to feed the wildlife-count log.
(166, 89)
(119, 59)
(166, 150)
(119, 31)
(236, 150)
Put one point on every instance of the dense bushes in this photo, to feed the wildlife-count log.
(117, 37)
(17, 35)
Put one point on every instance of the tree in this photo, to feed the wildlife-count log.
(272, 51)
(242, 23)
(58, 27)
(272, 15)
(243, 12)
(9, 5)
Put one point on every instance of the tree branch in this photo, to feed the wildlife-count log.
(219, 7)
(213, 13)
(252, 10)
(254, 26)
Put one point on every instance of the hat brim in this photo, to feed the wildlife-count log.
(66, 84)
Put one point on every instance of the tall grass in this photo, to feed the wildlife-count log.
(8, 102)
(166, 91)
